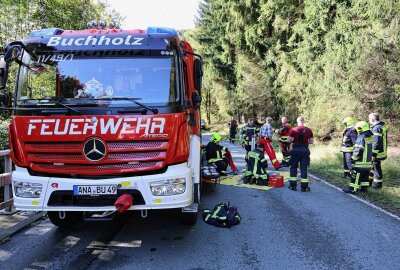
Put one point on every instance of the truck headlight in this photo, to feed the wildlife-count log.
(27, 190)
(168, 187)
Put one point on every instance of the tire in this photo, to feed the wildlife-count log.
(197, 193)
(188, 218)
(70, 219)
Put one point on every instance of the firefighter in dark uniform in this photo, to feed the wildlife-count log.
(256, 171)
(248, 132)
(347, 147)
(379, 149)
(301, 136)
(214, 155)
(361, 159)
(283, 132)
(232, 130)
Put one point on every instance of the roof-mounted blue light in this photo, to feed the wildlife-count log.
(46, 32)
(161, 30)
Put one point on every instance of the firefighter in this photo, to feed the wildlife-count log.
(248, 132)
(379, 148)
(256, 171)
(361, 158)
(265, 138)
(283, 133)
(214, 155)
(232, 129)
(347, 147)
(301, 136)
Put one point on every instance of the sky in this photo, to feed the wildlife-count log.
(178, 14)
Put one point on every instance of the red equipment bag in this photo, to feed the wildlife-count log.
(276, 181)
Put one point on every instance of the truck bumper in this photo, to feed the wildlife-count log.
(125, 185)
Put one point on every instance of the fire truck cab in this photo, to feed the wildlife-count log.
(99, 113)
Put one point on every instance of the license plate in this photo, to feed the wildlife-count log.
(95, 190)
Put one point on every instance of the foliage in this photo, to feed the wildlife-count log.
(324, 59)
(3, 138)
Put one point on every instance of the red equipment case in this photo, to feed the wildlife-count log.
(276, 181)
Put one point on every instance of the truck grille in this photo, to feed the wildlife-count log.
(134, 156)
(121, 157)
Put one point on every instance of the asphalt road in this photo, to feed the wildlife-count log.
(280, 229)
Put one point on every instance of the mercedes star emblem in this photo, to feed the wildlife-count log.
(94, 149)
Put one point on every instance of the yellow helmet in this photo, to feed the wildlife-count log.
(216, 137)
(348, 121)
(361, 127)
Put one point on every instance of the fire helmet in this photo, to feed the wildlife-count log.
(348, 121)
(216, 137)
(361, 127)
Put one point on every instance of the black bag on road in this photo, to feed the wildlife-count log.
(223, 215)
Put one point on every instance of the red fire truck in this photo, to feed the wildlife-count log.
(103, 112)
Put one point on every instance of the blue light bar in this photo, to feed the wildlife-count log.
(161, 30)
(46, 32)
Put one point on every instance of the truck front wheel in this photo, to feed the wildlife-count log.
(188, 218)
(197, 193)
(64, 219)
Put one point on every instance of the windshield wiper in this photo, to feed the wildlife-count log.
(133, 100)
(52, 99)
(58, 101)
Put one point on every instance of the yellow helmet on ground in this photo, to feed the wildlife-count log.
(348, 121)
(216, 137)
(361, 127)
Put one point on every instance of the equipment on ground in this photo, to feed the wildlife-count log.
(223, 215)
(276, 180)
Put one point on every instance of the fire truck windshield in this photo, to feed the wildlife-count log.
(79, 81)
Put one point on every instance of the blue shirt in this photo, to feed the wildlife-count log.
(266, 131)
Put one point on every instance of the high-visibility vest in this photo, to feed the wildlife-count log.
(363, 151)
(256, 164)
(214, 152)
(250, 131)
(349, 138)
(380, 140)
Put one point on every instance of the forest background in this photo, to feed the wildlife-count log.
(323, 59)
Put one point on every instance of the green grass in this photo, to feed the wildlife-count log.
(326, 162)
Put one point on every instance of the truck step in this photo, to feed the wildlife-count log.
(193, 208)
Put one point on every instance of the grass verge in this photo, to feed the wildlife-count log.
(326, 162)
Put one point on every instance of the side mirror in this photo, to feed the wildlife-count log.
(5, 99)
(13, 52)
(198, 73)
(196, 99)
(3, 72)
